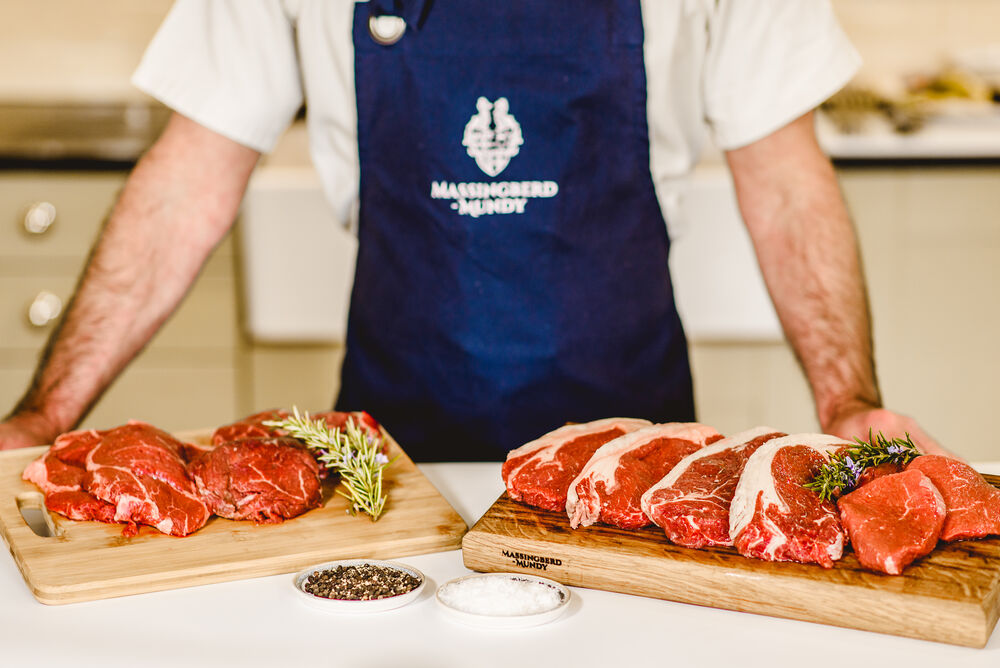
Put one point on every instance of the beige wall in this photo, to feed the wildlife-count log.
(74, 51)
(904, 36)
(58, 48)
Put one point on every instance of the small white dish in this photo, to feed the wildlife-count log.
(505, 621)
(342, 606)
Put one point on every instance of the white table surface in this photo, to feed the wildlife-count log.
(259, 622)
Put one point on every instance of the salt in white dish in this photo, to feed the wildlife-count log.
(503, 621)
(342, 606)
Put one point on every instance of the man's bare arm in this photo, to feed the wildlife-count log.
(177, 204)
(808, 253)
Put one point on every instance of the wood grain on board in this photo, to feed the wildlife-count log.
(951, 595)
(92, 560)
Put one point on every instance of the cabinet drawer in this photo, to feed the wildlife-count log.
(80, 200)
(206, 318)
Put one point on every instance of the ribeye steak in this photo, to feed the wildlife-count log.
(138, 468)
(60, 473)
(259, 479)
(253, 426)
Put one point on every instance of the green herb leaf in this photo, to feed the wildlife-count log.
(350, 452)
(840, 475)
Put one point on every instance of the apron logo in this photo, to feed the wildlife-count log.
(492, 135)
(492, 138)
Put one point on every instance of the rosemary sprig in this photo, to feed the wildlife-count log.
(840, 475)
(352, 452)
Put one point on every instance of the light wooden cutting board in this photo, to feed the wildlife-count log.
(92, 560)
(951, 595)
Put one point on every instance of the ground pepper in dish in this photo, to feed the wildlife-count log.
(364, 582)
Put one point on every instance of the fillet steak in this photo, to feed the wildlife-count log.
(60, 473)
(691, 504)
(893, 520)
(773, 516)
(262, 479)
(610, 486)
(138, 468)
(875, 472)
(973, 504)
(539, 472)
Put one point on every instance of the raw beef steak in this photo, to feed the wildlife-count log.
(60, 473)
(260, 479)
(893, 520)
(253, 426)
(973, 504)
(773, 516)
(138, 468)
(610, 486)
(539, 472)
(250, 427)
(876, 472)
(691, 504)
(62, 467)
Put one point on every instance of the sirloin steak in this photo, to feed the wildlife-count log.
(265, 480)
(973, 504)
(139, 469)
(539, 472)
(773, 516)
(691, 504)
(612, 483)
(893, 520)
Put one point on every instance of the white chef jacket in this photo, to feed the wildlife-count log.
(742, 68)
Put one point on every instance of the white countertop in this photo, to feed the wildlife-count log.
(941, 138)
(260, 623)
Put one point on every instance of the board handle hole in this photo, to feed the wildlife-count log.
(31, 505)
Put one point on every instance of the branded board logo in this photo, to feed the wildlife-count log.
(533, 561)
(492, 136)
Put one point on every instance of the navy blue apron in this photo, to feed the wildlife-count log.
(512, 265)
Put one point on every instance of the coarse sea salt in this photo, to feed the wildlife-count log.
(500, 595)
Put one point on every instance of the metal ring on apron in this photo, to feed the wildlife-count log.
(386, 29)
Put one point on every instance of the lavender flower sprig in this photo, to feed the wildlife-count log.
(352, 452)
(841, 474)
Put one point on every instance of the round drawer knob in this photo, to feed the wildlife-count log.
(39, 217)
(45, 308)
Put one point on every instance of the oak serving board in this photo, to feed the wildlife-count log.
(91, 560)
(952, 595)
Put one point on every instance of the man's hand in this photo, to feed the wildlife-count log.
(25, 430)
(856, 423)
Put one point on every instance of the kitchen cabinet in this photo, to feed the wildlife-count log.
(185, 379)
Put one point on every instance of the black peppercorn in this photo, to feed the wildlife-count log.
(363, 582)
